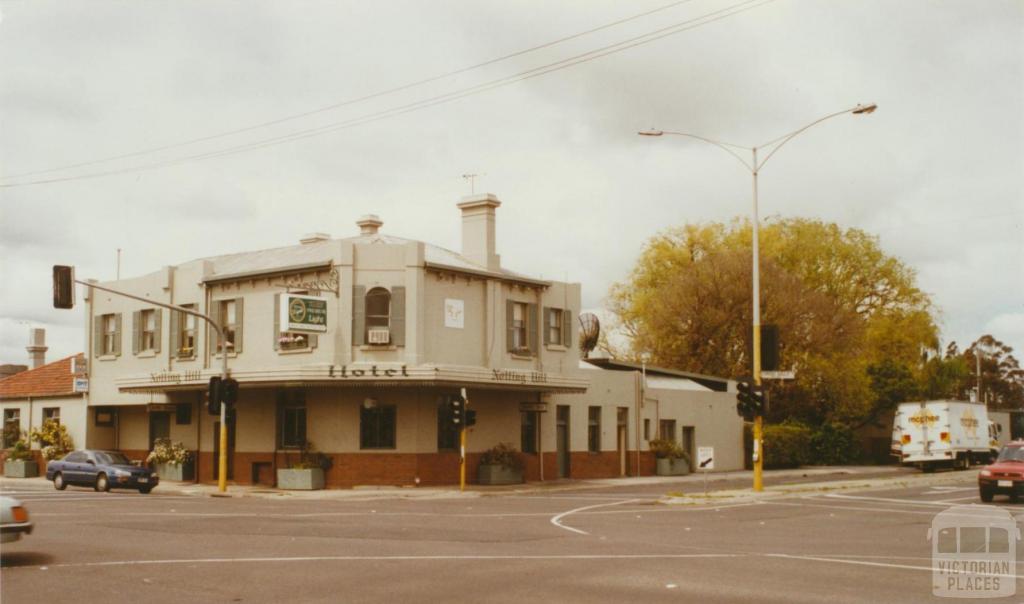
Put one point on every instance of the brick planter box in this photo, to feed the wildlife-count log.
(488, 474)
(20, 468)
(310, 479)
(671, 467)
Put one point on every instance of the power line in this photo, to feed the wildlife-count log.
(353, 101)
(435, 100)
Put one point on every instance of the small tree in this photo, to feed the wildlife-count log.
(53, 439)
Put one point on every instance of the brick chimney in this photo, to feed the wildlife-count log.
(478, 240)
(37, 347)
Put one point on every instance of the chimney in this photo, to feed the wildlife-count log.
(37, 346)
(478, 230)
(369, 224)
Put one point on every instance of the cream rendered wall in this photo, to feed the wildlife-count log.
(133, 428)
(72, 415)
(450, 345)
(388, 265)
(99, 437)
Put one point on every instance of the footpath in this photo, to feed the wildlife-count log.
(721, 487)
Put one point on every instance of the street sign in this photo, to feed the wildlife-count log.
(541, 407)
(81, 384)
(705, 458)
(778, 375)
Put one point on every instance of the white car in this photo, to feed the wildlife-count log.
(13, 520)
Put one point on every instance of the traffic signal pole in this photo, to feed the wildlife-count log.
(222, 484)
(462, 443)
(756, 281)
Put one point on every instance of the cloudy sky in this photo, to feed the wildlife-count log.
(183, 129)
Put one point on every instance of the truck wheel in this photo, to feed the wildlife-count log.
(928, 468)
(985, 494)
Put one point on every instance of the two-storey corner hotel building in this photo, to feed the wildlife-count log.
(353, 347)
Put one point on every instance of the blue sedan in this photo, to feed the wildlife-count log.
(102, 470)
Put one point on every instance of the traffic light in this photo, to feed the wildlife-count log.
(470, 417)
(749, 400)
(63, 286)
(213, 395)
(229, 392)
(458, 408)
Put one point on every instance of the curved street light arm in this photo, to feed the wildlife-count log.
(720, 145)
(782, 140)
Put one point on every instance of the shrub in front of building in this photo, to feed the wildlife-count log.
(53, 439)
(834, 444)
(787, 445)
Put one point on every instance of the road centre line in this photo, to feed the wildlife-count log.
(556, 520)
(389, 558)
(886, 500)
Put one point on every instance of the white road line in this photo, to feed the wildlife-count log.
(556, 520)
(875, 564)
(870, 509)
(972, 497)
(389, 559)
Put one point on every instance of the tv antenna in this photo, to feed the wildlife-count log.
(472, 181)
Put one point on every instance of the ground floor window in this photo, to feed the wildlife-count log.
(530, 432)
(51, 414)
(376, 425)
(291, 413)
(594, 429)
(647, 429)
(667, 429)
(12, 427)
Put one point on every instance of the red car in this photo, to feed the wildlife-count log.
(1005, 476)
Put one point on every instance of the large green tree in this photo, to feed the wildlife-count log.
(1002, 379)
(852, 322)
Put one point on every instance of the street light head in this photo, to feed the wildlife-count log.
(651, 132)
(865, 109)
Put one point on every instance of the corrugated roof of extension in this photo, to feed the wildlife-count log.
(310, 256)
(52, 379)
(709, 381)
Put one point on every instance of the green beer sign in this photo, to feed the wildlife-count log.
(303, 313)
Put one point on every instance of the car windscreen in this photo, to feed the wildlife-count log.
(1011, 454)
(111, 458)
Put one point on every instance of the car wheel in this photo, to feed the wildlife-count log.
(58, 482)
(145, 490)
(102, 484)
(986, 495)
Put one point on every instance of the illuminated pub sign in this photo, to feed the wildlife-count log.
(303, 313)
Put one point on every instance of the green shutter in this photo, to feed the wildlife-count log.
(358, 315)
(509, 330)
(97, 336)
(567, 328)
(239, 323)
(117, 334)
(531, 337)
(175, 327)
(277, 321)
(547, 325)
(397, 319)
(218, 316)
(136, 331)
(158, 319)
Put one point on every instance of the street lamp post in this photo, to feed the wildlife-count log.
(754, 166)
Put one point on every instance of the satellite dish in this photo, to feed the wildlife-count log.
(590, 330)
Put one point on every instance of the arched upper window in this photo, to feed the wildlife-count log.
(378, 308)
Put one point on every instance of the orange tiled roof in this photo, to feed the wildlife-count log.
(52, 379)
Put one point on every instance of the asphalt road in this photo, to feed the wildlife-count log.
(592, 545)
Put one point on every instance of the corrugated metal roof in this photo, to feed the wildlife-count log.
(322, 252)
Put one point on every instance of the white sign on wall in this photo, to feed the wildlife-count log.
(705, 458)
(454, 313)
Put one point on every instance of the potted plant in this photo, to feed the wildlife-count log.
(501, 464)
(306, 473)
(53, 439)
(20, 462)
(172, 460)
(670, 458)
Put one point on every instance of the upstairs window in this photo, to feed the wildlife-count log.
(229, 316)
(107, 335)
(290, 340)
(378, 316)
(146, 330)
(557, 327)
(183, 333)
(521, 327)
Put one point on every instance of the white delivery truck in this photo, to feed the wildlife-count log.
(930, 434)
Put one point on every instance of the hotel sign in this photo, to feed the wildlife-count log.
(303, 313)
